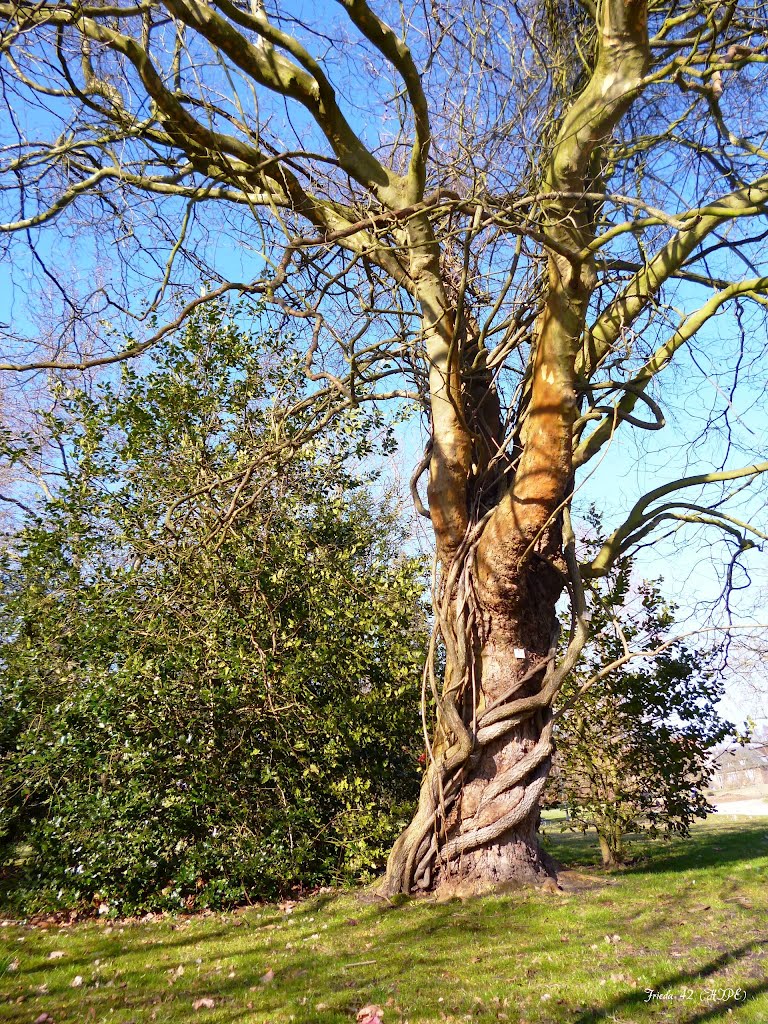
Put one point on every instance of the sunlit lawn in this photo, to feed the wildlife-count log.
(687, 924)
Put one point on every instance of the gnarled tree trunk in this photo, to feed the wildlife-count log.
(504, 543)
(477, 820)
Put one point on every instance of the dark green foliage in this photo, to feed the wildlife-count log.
(633, 748)
(200, 708)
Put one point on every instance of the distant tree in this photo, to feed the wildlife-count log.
(634, 733)
(200, 707)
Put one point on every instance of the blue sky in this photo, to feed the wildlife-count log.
(634, 463)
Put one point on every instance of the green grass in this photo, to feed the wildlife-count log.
(691, 919)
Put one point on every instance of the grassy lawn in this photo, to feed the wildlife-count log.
(689, 923)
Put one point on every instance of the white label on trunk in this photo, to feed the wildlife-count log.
(519, 652)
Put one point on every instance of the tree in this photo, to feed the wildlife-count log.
(638, 720)
(524, 218)
(191, 714)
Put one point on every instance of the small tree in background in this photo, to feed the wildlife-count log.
(192, 699)
(633, 746)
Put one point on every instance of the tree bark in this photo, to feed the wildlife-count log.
(504, 563)
(611, 850)
(491, 831)
(478, 812)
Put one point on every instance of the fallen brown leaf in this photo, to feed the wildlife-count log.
(370, 1014)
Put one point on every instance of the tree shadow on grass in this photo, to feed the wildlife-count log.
(339, 983)
(688, 988)
(355, 972)
(729, 844)
(725, 843)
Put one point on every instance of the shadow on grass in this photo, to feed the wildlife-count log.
(414, 951)
(340, 983)
(726, 843)
(720, 844)
(689, 987)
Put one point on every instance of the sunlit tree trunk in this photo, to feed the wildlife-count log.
(612, 848)
(499, 529)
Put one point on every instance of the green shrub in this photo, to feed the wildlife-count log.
(637, 720)
(211, 650)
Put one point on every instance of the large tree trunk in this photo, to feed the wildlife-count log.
(501, 521)
(478, 814)
(491, 831)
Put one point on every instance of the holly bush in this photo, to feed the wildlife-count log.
(210, 640)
